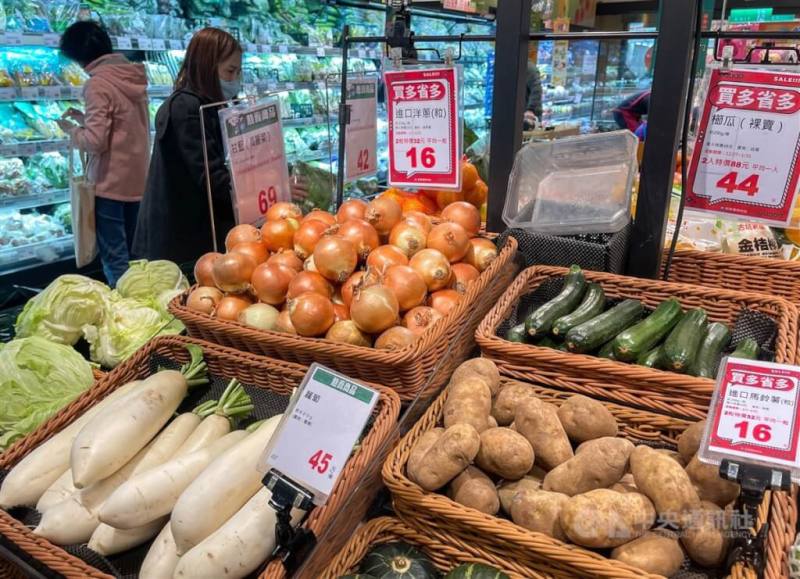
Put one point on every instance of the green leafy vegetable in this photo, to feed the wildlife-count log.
(145, 280)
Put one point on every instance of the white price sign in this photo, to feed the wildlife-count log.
(124, 43)
(29, 92)
(253, 139)
(144, 43)
(158, 44)
(8, 94)
(361, 133)
(319, 430)
(13, 38)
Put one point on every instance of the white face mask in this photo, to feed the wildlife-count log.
(230, 88)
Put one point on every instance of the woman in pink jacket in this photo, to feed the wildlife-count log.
(115, 132)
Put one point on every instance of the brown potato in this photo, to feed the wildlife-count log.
(689, 441)
(538, 422)
(597, 464)
(492, 422)
(539, 511)
(468, 402)
(508, 490)
(710, 486)
(446, 458)
(656, 553)
(474, 489)
(664, 482)
(585, 419)
(505, 453)
(481, 368)
(505, 405)
(422, 446)
(674, 455)
(603, 518)
(704, 537)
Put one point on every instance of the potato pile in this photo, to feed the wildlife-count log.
(564, 471)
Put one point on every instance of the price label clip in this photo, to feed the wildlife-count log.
(291, 544)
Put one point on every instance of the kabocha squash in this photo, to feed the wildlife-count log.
(475, 571)
(397, 561)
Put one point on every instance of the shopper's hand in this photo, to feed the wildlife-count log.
(66, 126)
(529, 118)
(299, 187)
(74, 114)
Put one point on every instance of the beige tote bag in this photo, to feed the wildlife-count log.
(83, 220)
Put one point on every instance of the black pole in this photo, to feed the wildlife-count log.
(677, 29)
(511, 49)
(344, 119)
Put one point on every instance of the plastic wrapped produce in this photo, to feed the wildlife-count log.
(13, 181)
(17, 229)
(42, 117)
(13, 127)
(49, 170)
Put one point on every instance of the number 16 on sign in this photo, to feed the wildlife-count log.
(361, 133)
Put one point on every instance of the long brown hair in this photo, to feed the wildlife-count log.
(207, 49)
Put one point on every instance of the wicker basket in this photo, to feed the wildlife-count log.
(276, 376)
(629, 384)
(445, 551)
(408, 371)
(428, 511)
(775, 277)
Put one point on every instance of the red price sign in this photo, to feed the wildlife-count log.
(424, 135)
(746, 155)
(266, 199)
(755, 412)
(320, 461)
(361, 136)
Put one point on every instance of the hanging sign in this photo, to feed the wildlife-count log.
(460, 5)
(361, 131)
(754, 414)
(746, 155)
(424, 128)
(312, 442)
(253, 139)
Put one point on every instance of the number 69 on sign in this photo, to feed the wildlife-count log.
(267, 198)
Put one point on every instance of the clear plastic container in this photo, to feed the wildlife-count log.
(573, 185)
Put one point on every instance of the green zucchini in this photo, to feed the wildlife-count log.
(546, 342)
(747, 349)
(643, 337)
(683, 343)
(541, 319)
(516, 333)
(717, 338)
(593, 304)
(607, 351)
(653, 358)
(475, 571)
(590, 335)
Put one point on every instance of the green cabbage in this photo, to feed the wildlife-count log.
(145, 280)
(60, 312)
(37, 378)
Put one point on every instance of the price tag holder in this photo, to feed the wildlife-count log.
(124, 43)
(753, 415)
(289, 85)
(175, 44)
(13, 38)
(253, 140)
(144, 43)
(158, 44)
(8, 94)
(313, 442)
(320, 51)
(361, 141)
(424, 127)
(29, 92)
(283, 49)
(251, 48)
(50, 39)
(51, 92)
(26, 149)
(748, 166)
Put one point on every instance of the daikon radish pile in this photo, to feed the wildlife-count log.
(162, 558)
(59, 491)
(227, 484)
(111, 438)
(107, 540)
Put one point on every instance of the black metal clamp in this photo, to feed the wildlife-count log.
(292, 545)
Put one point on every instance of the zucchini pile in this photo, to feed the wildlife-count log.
(576, 320)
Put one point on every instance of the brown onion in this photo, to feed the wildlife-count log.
(450, 239)
(284, 210)
(255, 249)
(204, 299)
(309, 281)
(284, 323)
(383, 213)
(240, 234)
(288, 258)
(408, 237)
(419, 319)
(347, 332)
(481, 253)
(385, 256)
(374, 309)
(320, 215)
(203, 269)
(463, 274)
(311, 314)
(349, 286)
(395, 338)
(419, 219)
(465, 214)
(259, 316)
(434, 268)
(335, 258)
(231, 306)
(271, 282)
(307, 237)
(232, 272)
(308, 265)
(279, 234)
(351, 209)
(361, 234)
(407, 285)
(444, 300)
(340, 312)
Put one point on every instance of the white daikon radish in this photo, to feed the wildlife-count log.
(239, 546)
(106, 540)
(28, 480)
(67, 523)
(162, 558)
(153, 493)
(219, 418)
(59, 491)
(113, 437)
(227, 483)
